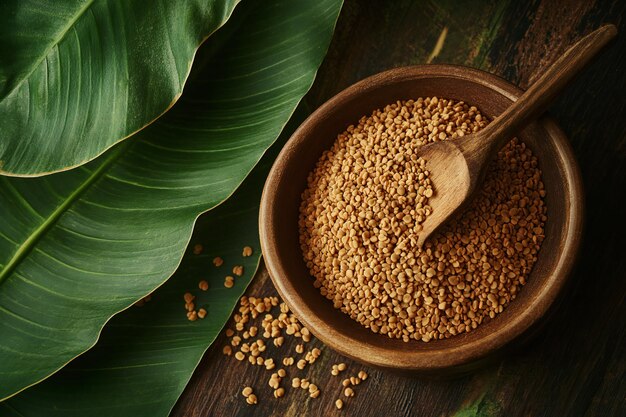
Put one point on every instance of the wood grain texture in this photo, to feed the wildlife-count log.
(576, 366)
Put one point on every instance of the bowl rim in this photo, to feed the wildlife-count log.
(440, 357)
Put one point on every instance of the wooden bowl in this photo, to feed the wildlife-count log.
(287, 180)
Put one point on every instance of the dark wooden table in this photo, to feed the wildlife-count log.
(576, 366)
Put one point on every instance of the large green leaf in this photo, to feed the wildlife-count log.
(145, 356)
(77, 76)
(78, 246)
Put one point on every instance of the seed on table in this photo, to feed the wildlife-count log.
(288, 361)
(190, 306)
(203, 285)
(246, 391)
(341, 367)
(202, 313)
(192, 316)
(304, 384)
(240, 356)
(197, 249)
(313, 388)
(315, 394)
(345, 382)
(348, 392)
(339, 404)
(363, 375)
(279, 392)
(238, 270)
(227, 350)
(251, 399)
(217, 261)
(281, 373)
(354, 380)
(295, 382)
(247, 251)
(188, 297)
(300, 348)
(229, 332)
(301, 364)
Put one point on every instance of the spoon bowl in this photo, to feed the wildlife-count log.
(287, 180)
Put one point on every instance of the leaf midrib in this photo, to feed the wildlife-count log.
(28, 244)
(54, 43)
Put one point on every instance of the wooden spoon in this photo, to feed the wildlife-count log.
(457, 167)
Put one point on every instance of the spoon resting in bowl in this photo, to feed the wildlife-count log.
(457, 167)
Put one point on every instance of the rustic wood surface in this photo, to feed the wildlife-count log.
(576, 365)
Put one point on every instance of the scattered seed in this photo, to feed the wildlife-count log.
(363, 375)
(201, 313)
(247, 251)
(246, 391)
(279, 392)
(251, 399)
(229, 282)
(203, 285)
(238, 270)
(197, 249)
(295, 382)
(239, 356)
(348, 392)
(339, 404)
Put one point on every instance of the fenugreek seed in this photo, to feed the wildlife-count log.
(202, 313)
(203, 285)
(279, 392)
(190, 306)
(188, 297)
(300, 348)
(313, 388)
(354, 380)
(217, 261)
(304, 384)
(229, 332)
(192, 316)
(301, 364)
(348, 392)
(251, 399)
(363, 375)
(227, 350)
(334, 372)
(247, 251)
(240, 356)
(345, 382)
(279, 341)
(246, 391)
(282, 373)
(315, 394)
(197, 249)
(341, 367)
(339, 404)
(295, 382)
(288, 361)
(316, 352)
(362, 212)
(238, 270)
(229, 282)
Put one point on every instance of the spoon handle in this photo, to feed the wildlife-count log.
(537, 98)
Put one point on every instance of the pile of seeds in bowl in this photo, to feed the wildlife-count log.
(258, 337)
(361, 215)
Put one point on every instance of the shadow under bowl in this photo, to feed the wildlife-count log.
(281, 199)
